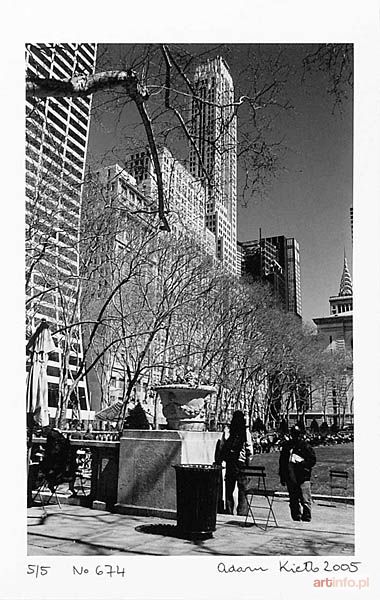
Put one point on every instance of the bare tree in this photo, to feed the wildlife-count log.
(336, 61)
(138, 290)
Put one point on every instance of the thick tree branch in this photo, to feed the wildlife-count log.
(157, 167)
(84, 85)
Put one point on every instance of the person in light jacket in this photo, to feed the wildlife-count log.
(297, 458)
(236, 452)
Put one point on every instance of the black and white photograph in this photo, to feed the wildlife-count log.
(188, 265)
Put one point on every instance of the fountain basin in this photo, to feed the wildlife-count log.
(183, 405)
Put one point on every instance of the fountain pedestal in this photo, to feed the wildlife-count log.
(147, 482)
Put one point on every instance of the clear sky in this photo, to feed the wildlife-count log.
(310, 196)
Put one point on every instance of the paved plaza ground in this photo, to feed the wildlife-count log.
(77, 531)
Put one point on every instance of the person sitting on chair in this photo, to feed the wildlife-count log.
(297, 458)
(56, 462)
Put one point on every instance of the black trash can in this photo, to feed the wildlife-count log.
(197, 499)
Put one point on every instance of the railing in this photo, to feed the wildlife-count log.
(110, 436)
(106, 436)
(94, 460)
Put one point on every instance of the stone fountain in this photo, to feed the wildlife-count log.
(183, 405)
(146, 476)
(182, 400)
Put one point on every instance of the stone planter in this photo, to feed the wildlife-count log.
(183, 405)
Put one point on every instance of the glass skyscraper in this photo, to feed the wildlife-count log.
(276, 260)
(56, 144)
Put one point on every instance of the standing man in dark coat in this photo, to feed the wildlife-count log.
(297, 458)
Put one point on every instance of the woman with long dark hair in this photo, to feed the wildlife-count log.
(236, 451)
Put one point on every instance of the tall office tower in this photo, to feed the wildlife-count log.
(56, 145)
(260, 260)
(352, 221)
(239, 258)
(214, 130)
(293, 274)
(277, 261)
(132, 194)
(184, 194)
(113, 194)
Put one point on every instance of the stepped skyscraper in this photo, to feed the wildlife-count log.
(214, 160)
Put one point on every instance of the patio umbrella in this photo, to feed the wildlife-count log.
(39, 347)
(111, 412)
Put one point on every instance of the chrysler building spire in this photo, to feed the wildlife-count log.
(345, 282)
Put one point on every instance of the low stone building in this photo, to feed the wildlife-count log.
(335, 403)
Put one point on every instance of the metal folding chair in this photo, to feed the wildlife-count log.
(338, 481)
(254, 482)
(44, 486)
(82, 467)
